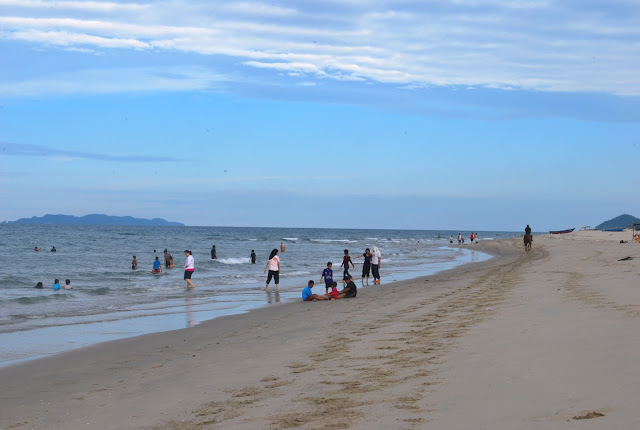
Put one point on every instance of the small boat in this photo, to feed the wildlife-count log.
(569, 230)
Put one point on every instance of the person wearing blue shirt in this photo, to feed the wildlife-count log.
(308, 296)
(157, 266)
(327, 274)
(56, 285)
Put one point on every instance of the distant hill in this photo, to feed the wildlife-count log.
(95, 219)
(622, 221)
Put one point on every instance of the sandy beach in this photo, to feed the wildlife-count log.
(540, 340)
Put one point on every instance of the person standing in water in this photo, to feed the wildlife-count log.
(214, 255)
(282, 247)
(274, 269)
(252, 257)
(134, 263)
(189, 268)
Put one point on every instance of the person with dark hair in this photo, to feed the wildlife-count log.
(366, 265)
(273, 264)
(308, 296)
(56, 285)
(39, 285)
(214, 254)
(54, 249)
(167, 259)
(350, 290)
(345, 263)
(67, 284)
(157, 266)
(327, 274)
(134, 263)
(527, 229)
(252, 257)
(189, 268)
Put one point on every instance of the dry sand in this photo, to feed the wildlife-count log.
(525, 340)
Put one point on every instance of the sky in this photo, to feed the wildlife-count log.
(415, 114)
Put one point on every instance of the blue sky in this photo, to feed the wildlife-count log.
(475, 115)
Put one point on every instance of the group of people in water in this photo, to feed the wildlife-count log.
(56, 285)
(473, 237)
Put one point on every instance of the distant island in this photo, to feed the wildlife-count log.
(95, 219)
(622, 221)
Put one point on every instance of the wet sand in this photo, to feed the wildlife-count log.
(525, 340)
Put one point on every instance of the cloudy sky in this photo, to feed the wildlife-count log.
(459, 114)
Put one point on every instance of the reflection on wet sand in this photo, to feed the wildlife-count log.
(273, 297)
(191, 317)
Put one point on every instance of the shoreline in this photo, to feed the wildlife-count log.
(523, 340)
(73, 336)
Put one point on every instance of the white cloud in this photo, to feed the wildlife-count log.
(492, 43)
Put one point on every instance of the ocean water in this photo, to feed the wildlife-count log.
(111, 301)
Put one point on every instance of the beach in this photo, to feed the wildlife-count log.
(541, 340)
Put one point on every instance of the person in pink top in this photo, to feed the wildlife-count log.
(274, 269)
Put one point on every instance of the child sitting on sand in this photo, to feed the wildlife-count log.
(308, 296)
(333, 294)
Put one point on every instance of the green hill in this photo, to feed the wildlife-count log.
(622, 221)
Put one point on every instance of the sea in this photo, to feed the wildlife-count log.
(110, 301)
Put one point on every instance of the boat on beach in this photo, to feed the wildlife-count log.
(569, 230)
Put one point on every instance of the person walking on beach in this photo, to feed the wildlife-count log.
(273, 265)
(345, 263)
(253, 257)
(189, 268)
(366, 265)
(376, 259)
(214, 255)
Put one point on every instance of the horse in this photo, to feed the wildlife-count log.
(528, 239)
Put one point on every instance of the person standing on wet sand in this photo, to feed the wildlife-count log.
(366, 265)
(189, 268)
(274, 269)
(376, 259)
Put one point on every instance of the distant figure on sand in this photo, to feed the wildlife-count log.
(134, 263)
(366, 265)
(308, 296)
(282, 247)
(376, 259)
(56, 285)
(67, 284)
(157, 267)
(253, 257)
(345, 263)
(350, 289)
(327, 274)
(273, 265)
(214, 255)
(189, 268)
